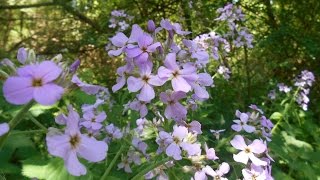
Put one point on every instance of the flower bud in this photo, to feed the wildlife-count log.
(151, 26)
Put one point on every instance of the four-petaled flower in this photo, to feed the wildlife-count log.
(34, 81)
(72, 144)
(248, 151)
(242, 124)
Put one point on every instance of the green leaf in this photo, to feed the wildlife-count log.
(55, 169)
(276, 116)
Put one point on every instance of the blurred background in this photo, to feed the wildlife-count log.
(286, 41)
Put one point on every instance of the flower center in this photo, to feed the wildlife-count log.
(176, 140)
(144, 49)
(74, 141)
(37, 82)
(175, 73)
(171, 102)
(93, 120)
(247, 150)
(145, 79)
(217, 177)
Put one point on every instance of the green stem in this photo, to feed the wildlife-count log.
(15, 121)
(150, 167)
(28, 132)
(36, 122)
(285, 111)
(114, 160)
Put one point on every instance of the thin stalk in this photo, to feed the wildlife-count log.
(15, 121)
(114, 160)
(285, 111)
(36, 122)
(29, 132)
(149, 168)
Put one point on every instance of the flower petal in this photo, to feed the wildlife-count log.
(4, 128)
(180, 84)
(91, 149)
(147, 93)
(73, 165)
(238, 142)
(134, 84)
(173, 150)
(18, 90)
(48, 94)
(241, 157)
(257, 146)
(47, 71)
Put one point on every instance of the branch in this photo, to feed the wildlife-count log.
(26, 6)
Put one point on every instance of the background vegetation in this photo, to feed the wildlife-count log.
(286, 41)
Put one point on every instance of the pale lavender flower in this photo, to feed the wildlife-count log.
(140, 53)
(283, 88)
(248, 151)
(92, 107)
(113, 131)
(256, 108)
(174, 109)
(74, 66)
(163, 140)
(255, 173)
(36, 82)
(172, 28)
(139, 145)
(125, 164)
(242, 124)
(92, 121)
(180, 78)
(122, 72)
(224, 71)
(272, 94)
(200, 54)
(194, 127)
(216, 133)
(210, 153)
(72, 144)
(22, 55)
(204, 79)
(85, 87)
(223, 169)
(61, 119)
(139, 106)
(4, 128)
(145, 83)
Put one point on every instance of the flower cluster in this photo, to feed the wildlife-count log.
(119, 20)
(256, 150)
(304, 81)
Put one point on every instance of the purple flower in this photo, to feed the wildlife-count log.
(122, 72)
(256, 108)
(171, 28)
(145, 46)
(125, 163)
(248, 152)
(272, 94)
(151, 26)
(216, 133)
(242, 124)
(72, 144)
(163, 140)
(139, 106)
(34, 82)
(210, 153)
(224, 71)
(93, 121)
(22, 55)
(255, 173)
(74, 66)
(4, 128)
(139, 145)
(120, 40)
(204, 79)
(61, 119)
(114, 131)
(87, 88)
(145, 83)
(181, 78)
(200, 54)
(174, 109)
(283, 88)
(92, 107)
(223, 169)
(194, 127)
(179, 140)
